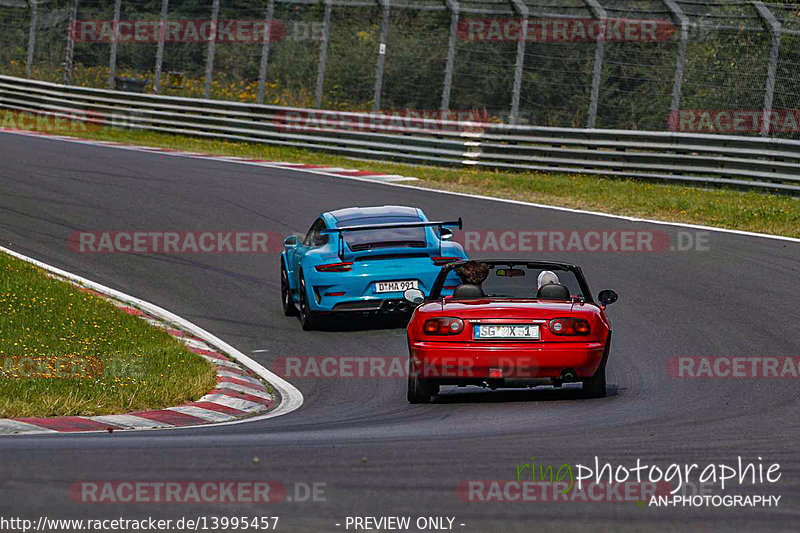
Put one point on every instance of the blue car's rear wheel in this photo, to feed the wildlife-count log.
(286, 293)
(308, 319)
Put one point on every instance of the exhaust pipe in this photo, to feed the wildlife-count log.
(568, 375)
(389, 306)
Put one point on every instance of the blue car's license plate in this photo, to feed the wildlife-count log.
(396, 286)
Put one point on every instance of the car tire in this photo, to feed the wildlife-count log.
(308, 319)
(289, 308)
(595, 386)
(421, 390)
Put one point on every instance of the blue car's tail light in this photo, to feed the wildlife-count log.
(439, 261)
(335, 267)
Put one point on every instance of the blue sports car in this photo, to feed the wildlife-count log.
(361, 260)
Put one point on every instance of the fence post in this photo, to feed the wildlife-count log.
(599, 52)
(32, 37)
(112, 58)
(210, 53)
(376, 97)
(262, 69)
(69, 49)
(453, 6)
(680, 60)
(160, 50)
(769, 91)
(323, 53)
(522, 10)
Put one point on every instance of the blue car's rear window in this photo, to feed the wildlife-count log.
(382, 238)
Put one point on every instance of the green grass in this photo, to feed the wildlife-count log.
(67, 352)
(726, 208)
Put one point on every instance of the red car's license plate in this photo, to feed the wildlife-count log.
(506, 331)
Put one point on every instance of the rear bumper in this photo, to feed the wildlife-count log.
(389, 306)
(467, 362)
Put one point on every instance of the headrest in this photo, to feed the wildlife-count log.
(553, 291)
(465, 290)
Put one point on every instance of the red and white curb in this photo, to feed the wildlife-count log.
(245, 390)
(365, 175)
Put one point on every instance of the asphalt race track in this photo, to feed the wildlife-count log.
(376, 454)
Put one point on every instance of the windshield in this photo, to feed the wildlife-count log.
(383, 238)
(510, 280)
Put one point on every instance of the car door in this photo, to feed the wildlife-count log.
(299, 251)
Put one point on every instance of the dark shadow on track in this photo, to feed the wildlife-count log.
(549, 394)
(359, 323)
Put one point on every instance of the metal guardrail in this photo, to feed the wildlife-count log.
(709, 160)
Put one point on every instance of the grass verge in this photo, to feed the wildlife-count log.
(67, 352)
(725, 208)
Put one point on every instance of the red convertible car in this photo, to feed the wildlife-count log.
(508, 323)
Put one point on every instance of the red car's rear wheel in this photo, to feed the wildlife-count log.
(595, 386)
(420, 390)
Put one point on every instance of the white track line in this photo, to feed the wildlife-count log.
(199, 412)
(289, 398)
(129, 421)
(280, 165)
(218, 362)
(225, 374)
(245, 390)
(230, 401)
(8, 426)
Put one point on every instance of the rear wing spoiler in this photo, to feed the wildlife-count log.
(441, 224)
(437, 224)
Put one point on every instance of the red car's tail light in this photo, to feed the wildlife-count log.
(569, 326)
(443, 326)
(439, 261)
(335, 267)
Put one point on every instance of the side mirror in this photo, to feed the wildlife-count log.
(290, 241)
(607, 297)
(446, 234)
(415, 296)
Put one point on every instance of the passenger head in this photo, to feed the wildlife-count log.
(546, 277)
(473, 272)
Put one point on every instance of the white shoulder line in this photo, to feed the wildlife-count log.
(128, 421)
(199, 412)
(394, 183)
(607, 215)
(290, 397)
(8, 425)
